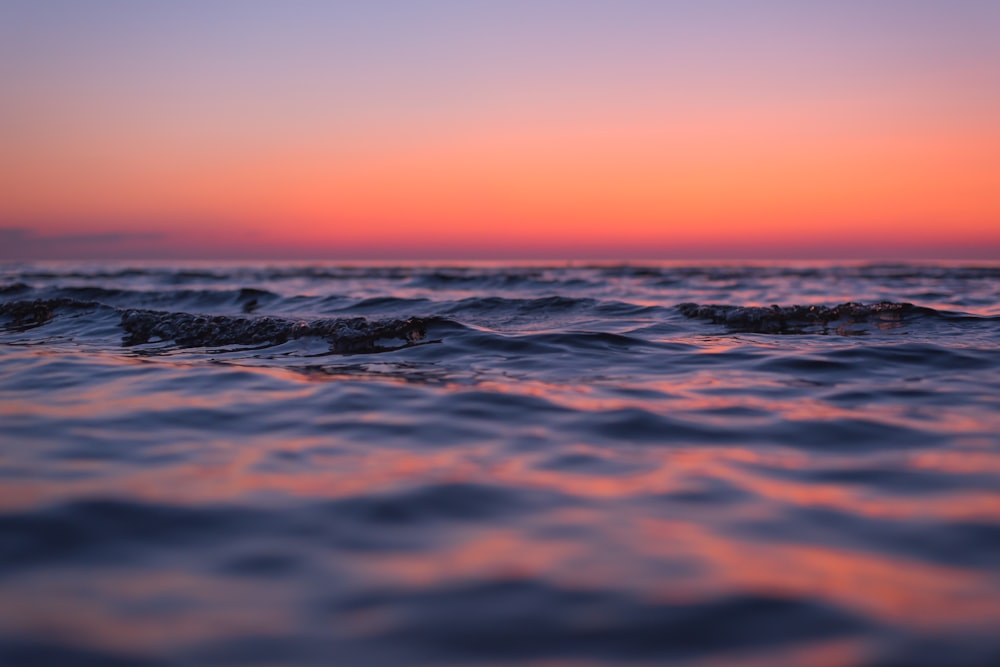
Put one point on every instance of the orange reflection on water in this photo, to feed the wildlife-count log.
(229, 471)
(354, 472)
(497, 553)
(225, 471)
(687, 400)
(834, 653)
(958, 462)
(961, 505)
(684, 562)
(902, 590)
(581, 397)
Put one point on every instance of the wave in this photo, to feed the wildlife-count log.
(505, 304)
(351, 335)
(377, 324)
(345, 335)
(27, 314)
(798, 319)
(246, 298)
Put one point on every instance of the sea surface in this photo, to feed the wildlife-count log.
(546, 464)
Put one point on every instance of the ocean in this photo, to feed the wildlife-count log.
(544, 464)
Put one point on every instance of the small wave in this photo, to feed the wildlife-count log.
(346, 335)
(548, 304)
(496, 279)
(124, 273)
(377, 303)
(800, 319)
(15, 288)
(34, 313)
(248, 299)
(352, 335)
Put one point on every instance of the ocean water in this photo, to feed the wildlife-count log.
(553, 464)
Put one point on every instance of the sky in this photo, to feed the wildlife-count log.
(507, 129)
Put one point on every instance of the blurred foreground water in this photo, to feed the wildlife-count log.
(491, 465)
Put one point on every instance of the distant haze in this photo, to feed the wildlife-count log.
(394, 129)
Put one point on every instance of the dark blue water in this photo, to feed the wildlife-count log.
(492, 465)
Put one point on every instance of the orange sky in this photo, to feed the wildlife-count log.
(643, 131)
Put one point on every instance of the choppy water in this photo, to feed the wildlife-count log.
(487, 465)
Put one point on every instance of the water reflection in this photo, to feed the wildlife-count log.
(575, 475)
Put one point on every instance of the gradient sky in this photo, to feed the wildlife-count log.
(621, 129)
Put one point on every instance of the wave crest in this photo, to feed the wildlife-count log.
(351, 335)
(797, 318)
(34, 313)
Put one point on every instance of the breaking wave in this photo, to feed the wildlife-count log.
(352, 335)
(802, 319)
(345, 335)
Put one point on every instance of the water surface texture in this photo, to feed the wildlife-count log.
(572, 465)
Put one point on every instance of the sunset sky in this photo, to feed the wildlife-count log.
(392, 129)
